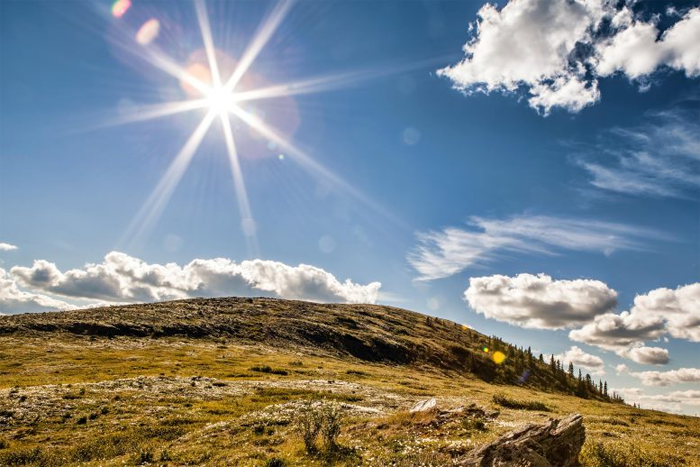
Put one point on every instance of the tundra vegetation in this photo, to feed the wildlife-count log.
(265, 382)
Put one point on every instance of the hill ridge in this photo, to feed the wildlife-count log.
(371, 333)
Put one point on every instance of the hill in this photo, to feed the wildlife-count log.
(226, 382)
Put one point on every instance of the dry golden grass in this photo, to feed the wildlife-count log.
(68, 399)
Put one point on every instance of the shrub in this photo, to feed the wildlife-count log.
(474, 424)
(505, 401)
(309, 424)
(275, 462)
(145, 456)
(320, 418)
(269, 369)
(331, 418)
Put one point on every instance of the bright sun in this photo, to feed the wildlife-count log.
(220, 98)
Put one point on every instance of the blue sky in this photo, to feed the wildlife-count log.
(430, 152)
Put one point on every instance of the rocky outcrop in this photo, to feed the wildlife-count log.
(557, 443)
(424, 405)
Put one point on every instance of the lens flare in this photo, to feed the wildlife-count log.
(485, 349)
(498, 357)
(120, 7)
(523, 378)
(148, 32)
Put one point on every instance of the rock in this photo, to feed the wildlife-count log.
(557, 443)
(425, 405)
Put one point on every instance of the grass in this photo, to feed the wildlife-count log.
(68, 399)
(505, 401)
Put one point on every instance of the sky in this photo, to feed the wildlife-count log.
(530, 169)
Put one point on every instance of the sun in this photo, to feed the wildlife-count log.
(206, 90)
(219, 101)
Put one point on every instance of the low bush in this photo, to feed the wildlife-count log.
(320, 418)
(505, 401)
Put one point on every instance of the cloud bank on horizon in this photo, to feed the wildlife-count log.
(541, 302)
(121, 278)
(558, 51)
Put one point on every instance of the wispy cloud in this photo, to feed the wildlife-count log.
(7, 247)
(666, 378)
(449, 251)
(660, 158)
(668, 402)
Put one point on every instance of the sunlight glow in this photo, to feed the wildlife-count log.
(207, 90)
(119, 8)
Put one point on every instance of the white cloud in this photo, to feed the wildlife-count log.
(539, 301)
(557, 50)
(13, 300)
(579, 357)
(7, 247)
(121, 277)
(665, 378)
(528, 43)
(646, 355)
(659, 158)
(680, 308)
(619, 331)
(621, 369)
(636, 52)
(445, 253)
(653, 315)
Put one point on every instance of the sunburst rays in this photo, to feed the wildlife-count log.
(221, 100)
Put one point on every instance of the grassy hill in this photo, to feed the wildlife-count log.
(231, 381)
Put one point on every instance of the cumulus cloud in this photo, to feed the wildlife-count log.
(558, 50)
(619, 331)
(123, 278)
(7, 247)
(646, 355)
(653, 315)
(637, 50)
(680, 308)
(665, 378)
(14, 300)
(539, 301)
(579, 357)
(659, 158)
(444, 253)
(669, 402)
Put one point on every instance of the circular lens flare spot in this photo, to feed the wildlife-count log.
(148, 32)
(498, 357)
(120, 7)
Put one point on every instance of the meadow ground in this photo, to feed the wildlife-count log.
(85, 400)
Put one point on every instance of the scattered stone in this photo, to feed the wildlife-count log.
(557, 443)
(424, 405)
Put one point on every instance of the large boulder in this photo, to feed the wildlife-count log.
(557, 443)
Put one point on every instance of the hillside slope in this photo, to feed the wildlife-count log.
(370, 333)
(225, 382)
